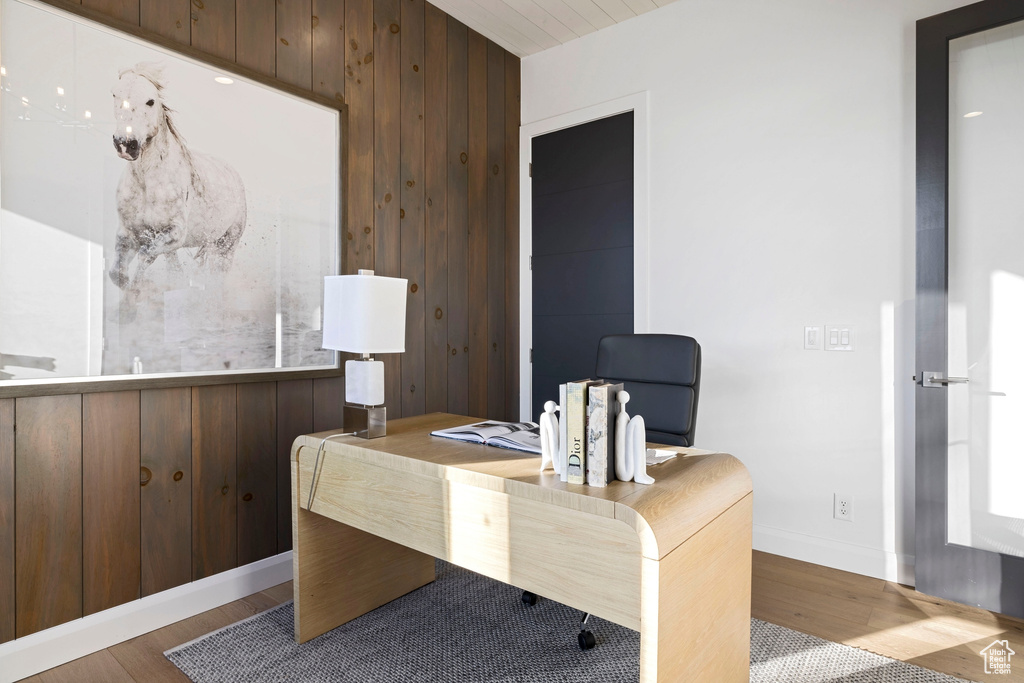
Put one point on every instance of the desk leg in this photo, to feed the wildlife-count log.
(341, 572)
(695, 605)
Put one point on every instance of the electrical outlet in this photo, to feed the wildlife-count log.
(843, 507)
(812, 338)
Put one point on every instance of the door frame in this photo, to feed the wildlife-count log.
(957, 572)
(638, 104)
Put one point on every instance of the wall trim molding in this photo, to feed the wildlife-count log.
(850, 557)
(638, 103)
(38, 652)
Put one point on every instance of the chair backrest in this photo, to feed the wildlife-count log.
(661, 372)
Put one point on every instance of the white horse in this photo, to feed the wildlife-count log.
(169, 197)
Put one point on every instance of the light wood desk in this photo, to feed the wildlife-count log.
(674, 557)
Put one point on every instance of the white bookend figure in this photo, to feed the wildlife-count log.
(623, 467)
(549, 438)
(636, 449)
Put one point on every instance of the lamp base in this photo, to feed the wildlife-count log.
(366, 422)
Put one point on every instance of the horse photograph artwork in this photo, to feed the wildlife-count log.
(170, 197)
(157, 216)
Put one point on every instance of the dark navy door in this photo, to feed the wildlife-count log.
(582, 248)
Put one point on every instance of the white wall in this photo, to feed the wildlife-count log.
(781, 195)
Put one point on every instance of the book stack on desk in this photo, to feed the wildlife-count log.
(588, 431)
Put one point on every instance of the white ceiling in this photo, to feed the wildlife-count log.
(524, 27)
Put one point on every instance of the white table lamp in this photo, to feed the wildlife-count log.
(364, 314)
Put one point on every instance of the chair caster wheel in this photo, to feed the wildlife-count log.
(529, 599)
(586, 640)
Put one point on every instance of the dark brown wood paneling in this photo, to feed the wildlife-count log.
(477, 225)
(412, 215)
(329, 49)
(359, 240)
(294, 418)
(328, 403)
(166, 420)
(512, 85)
(213, 27)
(255, 35)
(6, 519)
(458, 217)
(214, 513)
(387, 140)
(295, 42)
(257, 471)
(495, 232)
(435, 176)
(123, 10)
(420, 161)
(110, 500)
(48, 511)
(169, 18)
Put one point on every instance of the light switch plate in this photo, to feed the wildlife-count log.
(812, 338)
(839, 338)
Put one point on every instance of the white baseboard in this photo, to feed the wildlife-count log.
(61, 644)
(849, 557)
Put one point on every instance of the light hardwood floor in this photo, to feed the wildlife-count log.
(872, 614)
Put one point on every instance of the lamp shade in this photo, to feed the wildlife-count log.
(364, 313)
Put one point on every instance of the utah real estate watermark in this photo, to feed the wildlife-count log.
(997, 657)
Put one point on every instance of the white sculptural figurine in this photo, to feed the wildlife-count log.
(549, 438)
(636, 449)
(623, 470)
(630, 445)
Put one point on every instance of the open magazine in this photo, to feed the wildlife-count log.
(519, 436)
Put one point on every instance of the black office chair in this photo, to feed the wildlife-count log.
(661, 372)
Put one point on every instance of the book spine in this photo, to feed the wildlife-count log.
(597, 436)
(563, 422)
(576, 417)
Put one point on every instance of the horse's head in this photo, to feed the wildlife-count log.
(139, 111)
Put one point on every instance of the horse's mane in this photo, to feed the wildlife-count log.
(154, 72)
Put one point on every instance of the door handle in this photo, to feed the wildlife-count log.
(935, 379)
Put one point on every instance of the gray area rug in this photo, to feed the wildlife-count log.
(465, 628)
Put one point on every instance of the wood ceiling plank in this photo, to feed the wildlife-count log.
(543, 19)
(470, 12)
(507, 15)
(592, 12)
(641, 6)
(570, 18)
(616, 9)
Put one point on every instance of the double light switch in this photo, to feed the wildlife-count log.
(835, 338)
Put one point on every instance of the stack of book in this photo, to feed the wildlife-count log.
(587, 431)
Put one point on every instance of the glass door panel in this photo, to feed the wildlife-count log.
(985, 345)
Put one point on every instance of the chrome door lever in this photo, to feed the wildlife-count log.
(935, 379)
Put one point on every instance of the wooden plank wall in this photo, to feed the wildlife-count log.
(431, 194)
